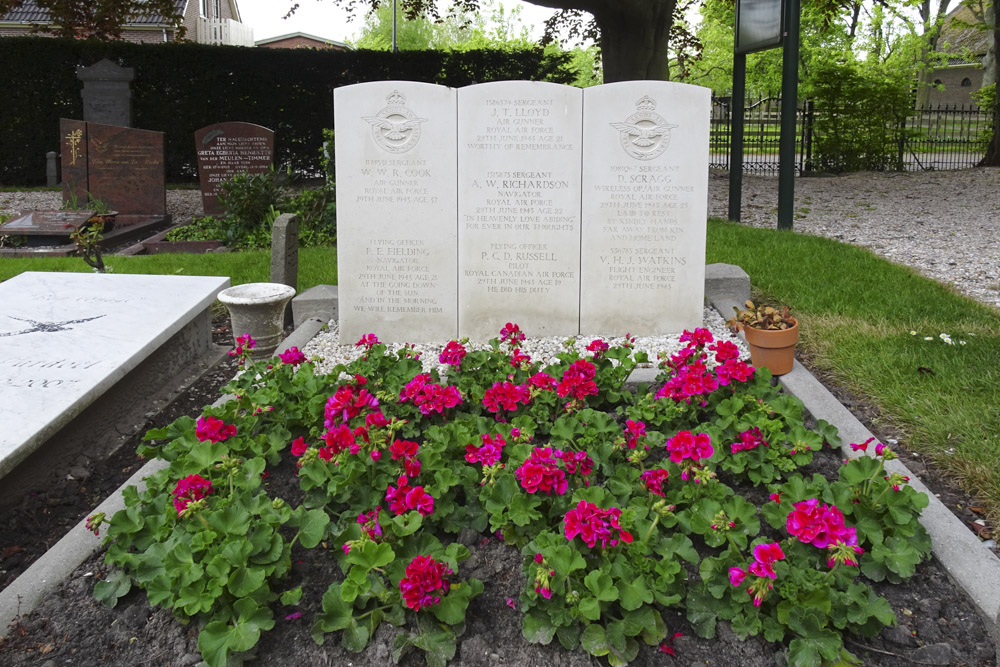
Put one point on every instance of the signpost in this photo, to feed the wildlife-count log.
(761, 25)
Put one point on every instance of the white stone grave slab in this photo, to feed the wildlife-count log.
(66, 338)
(644, 202)
(396, 234)
(519, 151)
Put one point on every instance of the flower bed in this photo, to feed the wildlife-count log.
(623, 505)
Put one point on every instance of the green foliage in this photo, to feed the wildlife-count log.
(860, 119)
(284, 89)
(392, 470)
(986, 98)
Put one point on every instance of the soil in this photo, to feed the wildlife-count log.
(938, 623)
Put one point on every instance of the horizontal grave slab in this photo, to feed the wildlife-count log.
(567, 211)
(69, 337)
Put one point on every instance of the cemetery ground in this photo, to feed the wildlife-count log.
(944, 413)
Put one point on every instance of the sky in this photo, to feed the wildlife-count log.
(325, 18)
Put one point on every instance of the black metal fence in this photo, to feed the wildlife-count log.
(943, 137)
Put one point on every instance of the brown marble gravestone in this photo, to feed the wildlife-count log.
(225, 150)
(120, 166)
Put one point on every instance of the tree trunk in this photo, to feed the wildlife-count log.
(635, 35)
(992, 158)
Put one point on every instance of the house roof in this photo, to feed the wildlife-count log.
(962, 35)
(30, 12)
(323, 40)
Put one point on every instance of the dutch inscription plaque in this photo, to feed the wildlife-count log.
(518, 207)
(225, 150)
(644, 199)
(396, 200)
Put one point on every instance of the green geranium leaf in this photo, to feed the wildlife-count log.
(371, 555)
(292, 597)
(590, 609)
(407, 524)
(356, 636)
(112, 589)
(311, 524)
(565, 559)
(632, 594)
(537, 628)
(337, 614)
(594, 640)
(601, 585)
(245, 580)
(439, 647)
(702, 611)
(569, 636)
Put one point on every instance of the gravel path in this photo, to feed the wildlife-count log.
(945, 224)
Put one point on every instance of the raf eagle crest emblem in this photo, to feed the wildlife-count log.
(645, 134)
(395, 128)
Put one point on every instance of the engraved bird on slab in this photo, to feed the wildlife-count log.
(395, 130)
(644, 136)
(44, 327)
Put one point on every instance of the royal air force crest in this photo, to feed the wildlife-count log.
(645, 134)
(395, 128)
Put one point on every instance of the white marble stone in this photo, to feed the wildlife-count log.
(396, 202)
(519, 150)
(65, 338)
(644, 204)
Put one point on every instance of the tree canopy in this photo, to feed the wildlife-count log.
(99, 19)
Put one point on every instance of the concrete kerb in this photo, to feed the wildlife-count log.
(971, 565)
(24, 594)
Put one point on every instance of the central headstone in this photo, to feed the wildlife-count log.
(519, 207)
(571, 211)
(225, 150)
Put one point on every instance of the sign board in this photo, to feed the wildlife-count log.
(759, 25)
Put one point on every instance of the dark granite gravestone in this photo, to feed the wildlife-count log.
(227, 149)
(107, 98)
(125, 169)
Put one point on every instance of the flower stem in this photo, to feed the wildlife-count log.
(651, 529)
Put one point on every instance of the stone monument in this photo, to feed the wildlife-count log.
(107, 96)
(225, 150)
(396, 204)
(566, 211)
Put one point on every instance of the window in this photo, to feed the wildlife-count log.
(966, 82)
(217, 6)
(204, 7)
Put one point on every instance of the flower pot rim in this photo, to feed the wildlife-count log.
(256, 293)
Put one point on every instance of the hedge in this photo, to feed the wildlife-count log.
(181, 87)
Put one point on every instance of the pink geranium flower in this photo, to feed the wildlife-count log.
(594, 525)
(189, 490)
(424, 577)
(292, 356)
(541, 472)
(452, 354)
(213, 429)
(687, 445)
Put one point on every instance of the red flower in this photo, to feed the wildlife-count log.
(188, 490)
(578, 381)
(819, 525)
(633, 431)
(211, 428)
(424, 577)
(292, 356)
(505, 396)
(452, 354)
(299, 446)
(488, 453)
(540, 472)
(595, 525)
(686, 445)
(654, 480)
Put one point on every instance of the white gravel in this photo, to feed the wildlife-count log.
(328, 346)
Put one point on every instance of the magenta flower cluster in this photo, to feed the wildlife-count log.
(424, 577)
(428, 396)
(188, 490)
(214, 429)
(542, 472)
(402, 498)
(749, 439)
(488, 453)
(505, 396)
(406, 451)
(654, 481)
(691, 377)
(687, 445)
(594, 525)
(765, 556)
(452, 354)
(820, 525)
(578, 381)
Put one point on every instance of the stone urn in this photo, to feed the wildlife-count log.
(258, 309)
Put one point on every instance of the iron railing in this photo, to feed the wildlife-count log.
(942, 137)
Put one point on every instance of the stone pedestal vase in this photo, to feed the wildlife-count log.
(258, 309)
(773, 349)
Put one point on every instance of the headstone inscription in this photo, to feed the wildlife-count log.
(107, 97)
(68, 337)
(120, 166)
(576, 212)
(644, 202)
(225, 150)
(519, 151)
(396, 203)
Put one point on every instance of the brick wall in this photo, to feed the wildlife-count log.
(150, 36)
(298, 42)
(954, 93)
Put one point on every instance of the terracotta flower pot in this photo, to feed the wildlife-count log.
(773, 349)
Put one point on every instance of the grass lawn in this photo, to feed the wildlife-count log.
(856, 314)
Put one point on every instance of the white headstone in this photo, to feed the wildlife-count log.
(65, 338)
(645, 185)
(519, 207)
(396, 234)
